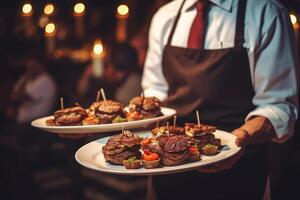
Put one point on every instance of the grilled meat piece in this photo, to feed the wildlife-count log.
(121, 147)
(175, 149)
(106, 111)
(193, 130)
(158, 131)
(149, 107)
(70, 116)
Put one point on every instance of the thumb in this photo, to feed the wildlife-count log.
(243, 137)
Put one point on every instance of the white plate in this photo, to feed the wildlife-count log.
(90, 156)
(41, 123)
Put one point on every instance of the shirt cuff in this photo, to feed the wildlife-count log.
(156, 93)
(280, 121)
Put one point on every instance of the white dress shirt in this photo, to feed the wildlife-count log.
(269, 39)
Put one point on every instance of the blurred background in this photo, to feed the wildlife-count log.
(70, 49)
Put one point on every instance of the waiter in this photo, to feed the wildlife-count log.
(234, 61)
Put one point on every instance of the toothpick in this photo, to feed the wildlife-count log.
(168, 127)
(157, 123)
(143, 98)
(123, 130)
(103, 94)
(98, 96)
(174, 121)
(62, 103)
(198, 118)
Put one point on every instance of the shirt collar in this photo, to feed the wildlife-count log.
(225, 4)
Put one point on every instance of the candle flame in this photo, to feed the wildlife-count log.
(79, 8)
(50, 28)
(98, 47)
(123, 10)
(293, 19)
(27, 8)
(49, 9)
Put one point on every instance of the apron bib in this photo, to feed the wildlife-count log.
(217, 83)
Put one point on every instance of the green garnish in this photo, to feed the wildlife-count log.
(119, 119)
(131, 159)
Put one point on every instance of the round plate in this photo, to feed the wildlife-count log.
(90, 156)
(41, 123)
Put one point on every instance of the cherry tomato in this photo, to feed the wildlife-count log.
(145, 141)
(193, 150)
(151, 156)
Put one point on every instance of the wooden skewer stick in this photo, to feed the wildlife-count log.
(174, 121)
(62, 103)
(123, 130)
(168, 129)
(198, 118)
(98, 96)
(157, 123)
(103, 94)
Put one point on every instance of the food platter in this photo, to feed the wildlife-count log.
(101, 128)
(90, 156)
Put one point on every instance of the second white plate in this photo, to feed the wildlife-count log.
(101, 128)
(90, 156)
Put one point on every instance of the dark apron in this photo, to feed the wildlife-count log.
(218, 84)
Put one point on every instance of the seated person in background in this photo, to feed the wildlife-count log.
(34, 94)
(124, 61)
(121, 78)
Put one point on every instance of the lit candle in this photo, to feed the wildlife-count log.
(79, 11)
(49, 9)
(296, 26)
(27, 13)
(97, 56)
(122, 16)
(50, 32)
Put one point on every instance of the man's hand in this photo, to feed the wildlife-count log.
(255, 130)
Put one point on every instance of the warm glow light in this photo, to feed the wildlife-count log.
(49, 9)
(79, 8)
(98, 47)
(50, 28)
(27, 8)
(123, 9)
(293, 19)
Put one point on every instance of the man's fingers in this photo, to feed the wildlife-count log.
(242, 137)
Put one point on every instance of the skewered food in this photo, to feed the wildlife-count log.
(69, 116)
(132, 163)
(143, 108)
(108, 111)
(122, 147)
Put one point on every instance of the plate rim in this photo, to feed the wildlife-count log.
(112, 126)
(157, 172)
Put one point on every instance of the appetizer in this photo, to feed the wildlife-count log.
(108, 111)
(151, 159)
(68, 117)
(165, 130)
(121, 147)
(143, 108)
(132, 163)
(174, 149)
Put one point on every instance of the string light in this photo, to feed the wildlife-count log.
(293, 19)
(79, 8)
(27, 8)
(123, 10)
(49, 9)
(50, 28)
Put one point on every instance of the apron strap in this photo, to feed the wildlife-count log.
(240, 21)
(175, 24)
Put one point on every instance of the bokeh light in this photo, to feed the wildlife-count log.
(49, 9)
(123, 9)
(50, 28)
(79, 8)
(27, 8)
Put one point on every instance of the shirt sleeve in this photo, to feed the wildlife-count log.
(275, 76)
(153, 80)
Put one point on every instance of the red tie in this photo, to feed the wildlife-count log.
(197, 32)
